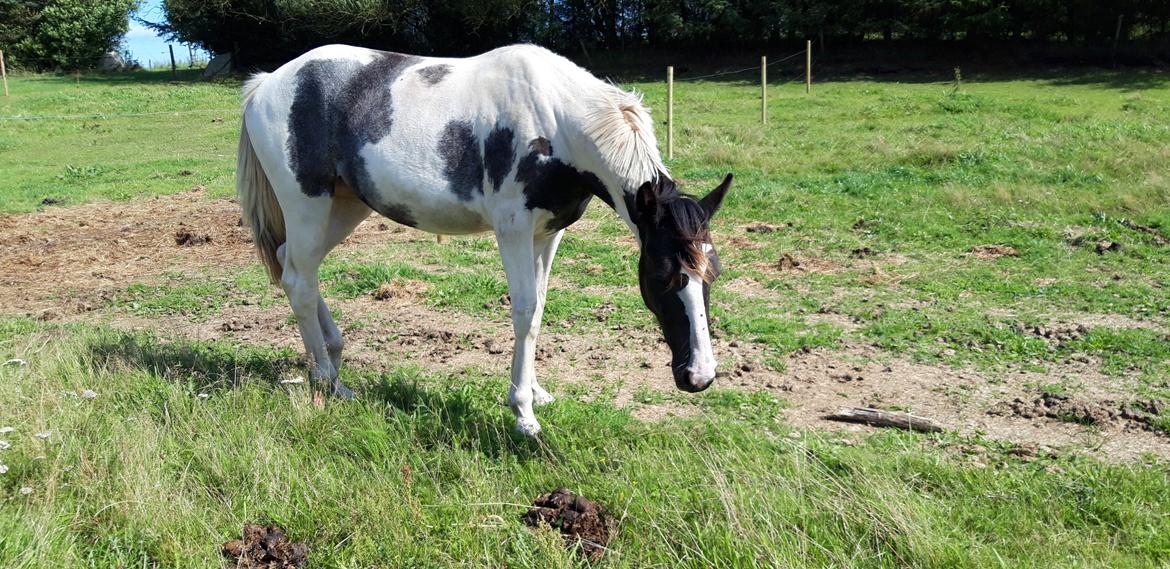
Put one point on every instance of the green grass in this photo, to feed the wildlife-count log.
(149, 473)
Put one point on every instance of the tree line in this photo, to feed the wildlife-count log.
(69, 32)
(274, 30)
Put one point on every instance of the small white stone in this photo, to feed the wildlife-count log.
(5, 445)
(26, 490)
(292, 380)
(44, 435)
(89, 394)
(16, 362)
(3, 468)
(4, 430)
(203, 396)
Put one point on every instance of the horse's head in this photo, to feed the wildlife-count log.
(675, 273)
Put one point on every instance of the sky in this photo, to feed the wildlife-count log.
(146, 46)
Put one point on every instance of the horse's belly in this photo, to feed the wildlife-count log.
(428, 208)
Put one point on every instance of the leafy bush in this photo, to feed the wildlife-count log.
(63, 34)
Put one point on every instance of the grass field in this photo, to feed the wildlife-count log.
(887, 195)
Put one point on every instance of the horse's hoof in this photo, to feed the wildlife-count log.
(527, 427)
(540, 397)
(342, 392)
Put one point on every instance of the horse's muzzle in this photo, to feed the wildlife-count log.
(691, 382)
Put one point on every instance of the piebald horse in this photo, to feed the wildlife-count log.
(515, 141)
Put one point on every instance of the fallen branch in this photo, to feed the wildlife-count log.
(879, 418)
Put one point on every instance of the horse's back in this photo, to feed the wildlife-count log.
(414, 136)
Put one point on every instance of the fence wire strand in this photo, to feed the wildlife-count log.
(101, 116)
(733, 72)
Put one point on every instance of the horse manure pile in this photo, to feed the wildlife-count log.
(579, 519)
(266, 547)
(184, 238)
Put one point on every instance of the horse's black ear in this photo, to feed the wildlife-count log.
(647, 200)
(713, 200)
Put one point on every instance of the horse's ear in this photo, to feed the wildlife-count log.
(647, 200)
(713, 200)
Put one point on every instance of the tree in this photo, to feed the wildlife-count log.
(63, 34)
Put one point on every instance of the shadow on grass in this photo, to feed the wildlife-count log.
(468, 415)
(206, 366)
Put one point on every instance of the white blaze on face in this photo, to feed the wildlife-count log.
(702, 366)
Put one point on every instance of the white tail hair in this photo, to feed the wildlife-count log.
(262, 213)
(621, 128)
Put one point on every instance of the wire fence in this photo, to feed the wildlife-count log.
(744, 70)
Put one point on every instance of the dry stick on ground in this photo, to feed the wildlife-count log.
(879, 418)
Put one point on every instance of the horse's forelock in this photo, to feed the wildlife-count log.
(690, 222)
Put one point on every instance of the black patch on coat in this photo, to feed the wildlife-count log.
(552, 185)
(463, 165)
(433, 74)
(498, 155)
(339, 107)
(366, 111)
(312, 121)
(398, 213)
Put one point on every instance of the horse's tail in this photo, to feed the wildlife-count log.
(257, 199)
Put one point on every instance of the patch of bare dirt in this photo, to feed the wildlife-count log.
(401, 290)
(992, 252)
(1139, 414)
(1157, 236)
(265, 547)
(579, 519)
(820, 381)
(78, 252)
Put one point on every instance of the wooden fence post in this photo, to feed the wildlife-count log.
(670, 112)
(808, 67)
(4, 72)
(764, 89)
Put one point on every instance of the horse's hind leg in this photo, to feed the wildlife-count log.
(320, 224)
(545, 249)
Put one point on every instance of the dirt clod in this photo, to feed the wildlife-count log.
(787, 263)
(762, 228)
(863, 225)
(266, 547)
(579, 519)
(991, 252)
(1103, 247)
(185, 238)
(862, 253)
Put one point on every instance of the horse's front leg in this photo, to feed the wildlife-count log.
(545, 249)
(516, 250)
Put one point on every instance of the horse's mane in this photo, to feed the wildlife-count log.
(621, 128)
